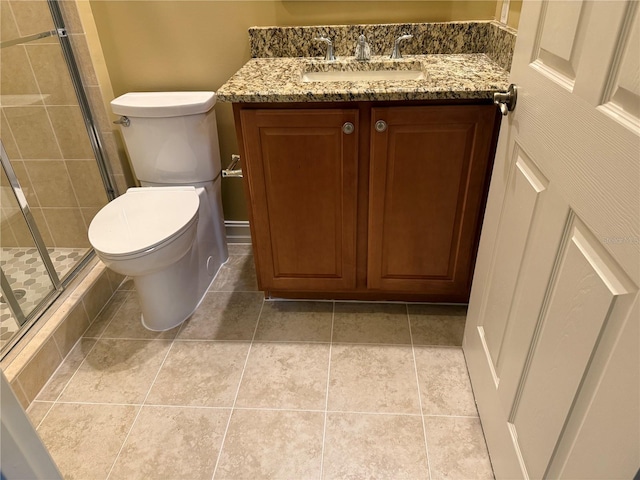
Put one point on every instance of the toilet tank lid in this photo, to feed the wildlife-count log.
(163, 104)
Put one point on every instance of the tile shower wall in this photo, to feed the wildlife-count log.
(97, 86)
(43, 131)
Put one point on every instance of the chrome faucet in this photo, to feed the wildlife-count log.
(395, 53)
(329, 55)
(363, 51)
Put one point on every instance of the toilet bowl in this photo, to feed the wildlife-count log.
(146, 229)
(147, 234)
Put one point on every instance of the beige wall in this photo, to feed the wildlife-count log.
(191, 45)
(514, 12)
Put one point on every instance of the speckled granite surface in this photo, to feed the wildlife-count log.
(459, 37)
(491, 38)
(456, 76)
(500, 43)
(461, 60)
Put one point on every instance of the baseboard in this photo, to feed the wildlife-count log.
(237, 231)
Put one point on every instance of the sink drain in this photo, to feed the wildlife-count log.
(19, 294)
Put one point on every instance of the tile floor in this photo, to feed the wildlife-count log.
(29, 280)
(250, 389)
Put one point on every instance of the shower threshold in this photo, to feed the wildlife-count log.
(29, 280)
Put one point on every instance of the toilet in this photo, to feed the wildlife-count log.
(168, 234)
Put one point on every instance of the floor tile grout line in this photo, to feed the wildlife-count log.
(451, 416)
(46, 414)
(373, 344)
(102, 404)
(65, 385)
(140, 408)
(77, 369)
(277, 409)
(394, 414)
(263, 409)
(326, 400)
(163, 405)
(444, 347)
(415, 367)
(248, 340)
(136, 339)
(124, 301)
(186, 320)
(306, 342)
(235, 398)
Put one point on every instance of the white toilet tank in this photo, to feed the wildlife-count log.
(172, 137)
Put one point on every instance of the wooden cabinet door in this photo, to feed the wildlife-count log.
(427, 182)
(301, 171)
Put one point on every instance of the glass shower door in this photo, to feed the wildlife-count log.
(27, 278)
(52, 151)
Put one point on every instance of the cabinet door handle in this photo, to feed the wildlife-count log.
(381, 126)
(348, 128)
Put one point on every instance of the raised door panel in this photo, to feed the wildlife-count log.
(587, 300)
(427, 181)
(302, 172)
(605, 415)
(561, 37)
(526, 194)
(622, 92)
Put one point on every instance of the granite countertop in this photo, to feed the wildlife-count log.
(447, 76)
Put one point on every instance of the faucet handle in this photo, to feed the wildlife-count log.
(395, 53)
(329, 55)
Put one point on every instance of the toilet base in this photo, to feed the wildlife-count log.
(170, 296)
(178, 322)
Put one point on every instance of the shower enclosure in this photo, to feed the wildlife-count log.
(54, 177)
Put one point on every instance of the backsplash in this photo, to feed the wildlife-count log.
(500, 44)
(491, 38)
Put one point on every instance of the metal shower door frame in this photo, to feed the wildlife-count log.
(83, 102)
(33, 229)
(59, 285)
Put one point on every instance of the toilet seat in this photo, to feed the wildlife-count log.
(143, 219)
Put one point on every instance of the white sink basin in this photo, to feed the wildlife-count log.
(371, 71)
(362, 76)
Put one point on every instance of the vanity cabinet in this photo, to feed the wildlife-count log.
(388, 210)
(301, 175)
(429, 167)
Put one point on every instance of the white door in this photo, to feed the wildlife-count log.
(22, 452)
(552, 335)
